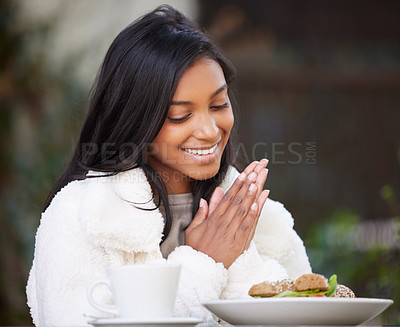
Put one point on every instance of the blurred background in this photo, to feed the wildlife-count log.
(318, 93)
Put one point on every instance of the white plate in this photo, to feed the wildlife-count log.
(151, 322)
(298, 311)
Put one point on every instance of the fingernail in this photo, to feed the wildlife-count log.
(252, 176)
(242, 176)
(252, 187)
(202, 203)
(254, 206)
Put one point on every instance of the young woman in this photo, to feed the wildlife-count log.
(152, 179)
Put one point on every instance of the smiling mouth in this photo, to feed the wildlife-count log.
(201, 152)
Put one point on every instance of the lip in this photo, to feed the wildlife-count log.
(205, 158)
(201, 147)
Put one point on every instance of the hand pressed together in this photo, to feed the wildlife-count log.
(224, 229)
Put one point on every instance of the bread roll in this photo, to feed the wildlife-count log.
(343, 291)
(308, 282)
(268, 289)
(305, 282)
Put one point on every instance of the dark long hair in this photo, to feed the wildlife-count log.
(131, 97)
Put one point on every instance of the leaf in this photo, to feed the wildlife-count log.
(332, 285)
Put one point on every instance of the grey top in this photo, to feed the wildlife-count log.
(181, 210)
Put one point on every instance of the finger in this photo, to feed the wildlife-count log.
(262, 164)
(215, 199)
(248, 226)
(260, 204)
(230, 193)
(242, 202)
(251, 167)
(262, 199)
(261, 178)
(259, 170)
(201, 215)
(257, 167)
(229, 196)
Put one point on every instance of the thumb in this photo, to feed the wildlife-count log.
(216, 199)
(201, 214)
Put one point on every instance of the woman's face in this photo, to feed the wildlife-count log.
(196, 131)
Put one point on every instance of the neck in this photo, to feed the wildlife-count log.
(178, 188)
(175, 181)
(175, 185)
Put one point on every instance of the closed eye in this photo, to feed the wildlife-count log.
(222, 106)
(178, 120)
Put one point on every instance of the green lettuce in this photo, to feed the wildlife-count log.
(332, 288)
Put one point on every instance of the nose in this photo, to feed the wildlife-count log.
(206, 127)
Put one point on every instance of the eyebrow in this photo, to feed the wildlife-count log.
(176, 103)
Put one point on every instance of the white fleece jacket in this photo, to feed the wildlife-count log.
(93, 223)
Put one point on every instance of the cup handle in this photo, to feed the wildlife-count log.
(102, 307)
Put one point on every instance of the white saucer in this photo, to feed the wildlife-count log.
(150, 322)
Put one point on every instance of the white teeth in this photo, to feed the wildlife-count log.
(202, 152)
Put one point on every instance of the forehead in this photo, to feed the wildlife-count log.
(203, 78)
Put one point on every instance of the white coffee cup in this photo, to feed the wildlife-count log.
(139, 291)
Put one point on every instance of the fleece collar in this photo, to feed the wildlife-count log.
(111, 211)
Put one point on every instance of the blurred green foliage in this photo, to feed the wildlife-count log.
(360, 254)
(39, 109)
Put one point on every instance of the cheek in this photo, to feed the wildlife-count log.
(226, 122)
(175, 134)
(169, 138)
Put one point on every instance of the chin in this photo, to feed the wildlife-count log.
(203, 174)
